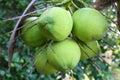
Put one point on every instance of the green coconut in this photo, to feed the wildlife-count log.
(56, 23)
(64, 55)
(89, 49)
(31, 34)
(42, 65)
(89, 24)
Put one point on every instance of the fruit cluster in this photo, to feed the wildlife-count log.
(69, 38)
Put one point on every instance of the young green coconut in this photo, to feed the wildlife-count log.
(64, 55)
(89, 24)
(56, 23)
(89, 49)
(31, 34)
(42, 65)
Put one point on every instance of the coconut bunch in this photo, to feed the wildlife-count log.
(67, 38)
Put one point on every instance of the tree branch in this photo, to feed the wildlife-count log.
(101, 4)
(12, 40)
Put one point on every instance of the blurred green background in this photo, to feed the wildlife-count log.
(21, 67)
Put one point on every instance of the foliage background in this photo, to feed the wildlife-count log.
(21, 67)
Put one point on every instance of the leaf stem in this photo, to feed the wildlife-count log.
(74, 5)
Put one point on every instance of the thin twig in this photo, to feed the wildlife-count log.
(91, 61)
(109, 44)
(40, 52)
(14, 18)
(50, 45)
(84, 3)
(81, 68)
(25, 64)
(113, 31)
(93, 51)
(73, 4)
(23, 26)
(69, 7)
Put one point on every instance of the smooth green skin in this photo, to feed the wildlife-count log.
(89, 24)
(32, 35)
(64, 55)
(90, 48)
(56, 23)
(42, 65)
